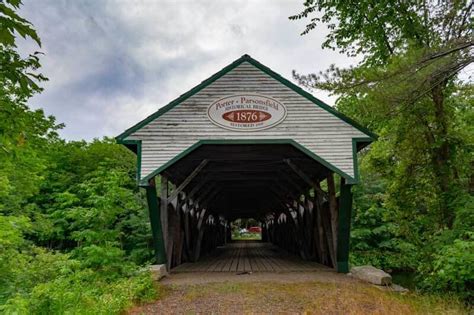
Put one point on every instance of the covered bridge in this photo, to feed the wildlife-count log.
(248, 143)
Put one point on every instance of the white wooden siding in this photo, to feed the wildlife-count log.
(306, 123)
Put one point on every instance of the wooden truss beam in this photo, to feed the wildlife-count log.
(188, 179)
(305, 177)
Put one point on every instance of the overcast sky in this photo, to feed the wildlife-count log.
(112, 63)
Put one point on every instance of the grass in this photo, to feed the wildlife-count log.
(247, 237)
(313, 297)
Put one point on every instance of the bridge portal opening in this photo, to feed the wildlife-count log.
(211, 198)
(246, 229)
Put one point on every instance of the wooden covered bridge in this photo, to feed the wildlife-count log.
(247, 143)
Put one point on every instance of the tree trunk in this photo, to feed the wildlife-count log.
(441, 155)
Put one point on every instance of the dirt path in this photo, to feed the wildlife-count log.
(191, 278)
(288, 293)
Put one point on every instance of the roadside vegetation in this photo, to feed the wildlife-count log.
(414, 210)
(247, 237)
(74, 231)
(246, 230)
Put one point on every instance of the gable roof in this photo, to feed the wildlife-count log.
(222, 72)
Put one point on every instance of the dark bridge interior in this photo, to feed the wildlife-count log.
(279, 185)
(243, 181)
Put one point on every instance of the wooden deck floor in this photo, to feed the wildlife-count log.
(249, 256)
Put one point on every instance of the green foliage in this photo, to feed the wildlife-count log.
(73, 226)
(37, 280)
(14, 72)
(83, 292)
(71, 288)
(379, 29)
(375, 237)
(94, 218)
(414, 209)
(89, 210)
(23, 132)
(452, 268)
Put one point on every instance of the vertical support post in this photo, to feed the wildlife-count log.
(155, 221)
(264, 232)
(345, 210)
(167, 238)
(225, 232)
(333, 212)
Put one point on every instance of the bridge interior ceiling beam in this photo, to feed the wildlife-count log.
(252, 180)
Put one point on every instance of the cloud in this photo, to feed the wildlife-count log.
(112, 63)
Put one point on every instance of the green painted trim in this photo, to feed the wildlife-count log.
(350, 179)
(225, 70)
(355, 162)
(344, 228)
(155, 222)
(138, 144)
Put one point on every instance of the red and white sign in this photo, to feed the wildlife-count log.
(246, 112)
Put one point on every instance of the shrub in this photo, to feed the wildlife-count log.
(452, 269)
(83, 292)
(34, 280)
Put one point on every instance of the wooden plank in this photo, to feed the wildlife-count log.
(240, 264)
(268, 266)
(196, 188)
(326, 220)
(213, 262)
(289, 261)
(246, 259)
(183, 267)
(198, 265)
(205, 202)
(332, 209)
(305, 177)
(223, 260)
(164, 210)
(254, 261)
(229, 253)
(255, 257)
(208, 189)
(235, 259)
(187, 233)
(200, 233)
(319, 231)
(232, 252)
(284, 261)
(271, 258)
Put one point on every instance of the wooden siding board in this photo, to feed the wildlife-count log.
(319, 131)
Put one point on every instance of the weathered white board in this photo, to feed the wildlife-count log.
(313, 127)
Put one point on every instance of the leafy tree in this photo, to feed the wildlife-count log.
(23, 132)
(72, 223)
(406, 88)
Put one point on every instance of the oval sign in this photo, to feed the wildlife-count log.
(246, 112)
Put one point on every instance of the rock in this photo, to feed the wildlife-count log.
(398, 288)
(158, 271)
(372, 275)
